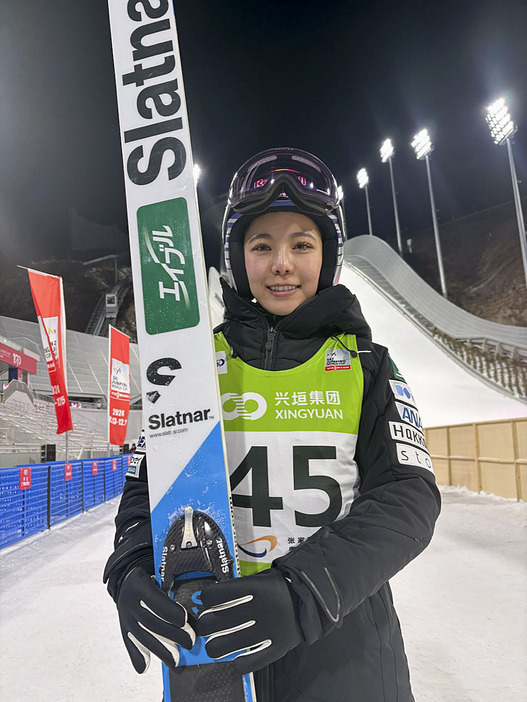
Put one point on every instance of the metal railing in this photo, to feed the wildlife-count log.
(496, 353)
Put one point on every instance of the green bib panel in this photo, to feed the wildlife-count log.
(290, 438)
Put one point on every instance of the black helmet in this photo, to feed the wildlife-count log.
(289, 180)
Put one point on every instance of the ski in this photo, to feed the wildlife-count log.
(188, 482)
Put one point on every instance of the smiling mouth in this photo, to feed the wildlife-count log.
(282, 288)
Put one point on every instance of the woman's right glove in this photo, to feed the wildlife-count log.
(151, 622)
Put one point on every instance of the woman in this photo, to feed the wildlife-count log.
(333, 489)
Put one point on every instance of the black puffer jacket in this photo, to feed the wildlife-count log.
(354, 648)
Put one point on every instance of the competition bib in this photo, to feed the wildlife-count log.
(290, 438)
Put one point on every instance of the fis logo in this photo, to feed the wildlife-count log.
(337, 359)
(49, 331)
(120, 376)
(248, 405)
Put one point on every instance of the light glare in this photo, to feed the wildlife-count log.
(422, 144)
(500, 123)
(362, 177)
(387, 150)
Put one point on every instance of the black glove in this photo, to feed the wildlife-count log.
(257, 613)
(151, 622)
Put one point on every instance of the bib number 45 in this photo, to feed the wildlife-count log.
(256, 463)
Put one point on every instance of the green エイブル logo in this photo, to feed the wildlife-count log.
(167, 266)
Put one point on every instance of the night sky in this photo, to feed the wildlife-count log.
(335, 78)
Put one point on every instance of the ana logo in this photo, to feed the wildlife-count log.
(337, 359)
(269, 543)
(409, 415)
(249, 405)
(402, 392)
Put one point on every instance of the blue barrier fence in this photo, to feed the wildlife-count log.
(37, 496)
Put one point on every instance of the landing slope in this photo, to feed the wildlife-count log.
(445, 392)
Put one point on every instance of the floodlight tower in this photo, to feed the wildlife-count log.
(422, 145)
(387, 153)
(362, 177)
(502, 128)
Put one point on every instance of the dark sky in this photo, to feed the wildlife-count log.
(334, 77)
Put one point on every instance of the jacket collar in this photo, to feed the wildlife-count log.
(332, 311)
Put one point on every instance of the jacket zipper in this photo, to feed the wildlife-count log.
(269, 348)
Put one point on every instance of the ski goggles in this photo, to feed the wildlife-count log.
(303, 177)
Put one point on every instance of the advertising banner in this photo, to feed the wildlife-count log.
(48, 297)
(119, 386)
(18, 359)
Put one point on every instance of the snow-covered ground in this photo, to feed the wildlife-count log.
(461, 605)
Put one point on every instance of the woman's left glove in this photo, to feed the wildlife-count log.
(255, 616)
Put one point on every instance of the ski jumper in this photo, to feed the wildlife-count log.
(332, 484)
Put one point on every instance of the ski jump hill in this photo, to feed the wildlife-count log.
(413, 321)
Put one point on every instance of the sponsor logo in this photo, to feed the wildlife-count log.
(404, 432)
(402, 392)
(268, 542)
(160, 421)
(221, 362)
(249, 405)
(408, 455)
(120, 377)
(224, 560)
(155, 95)
(410, 415)
(309, 413)
(155, 377)
(337, 359)
(51, 326)
(167, 266)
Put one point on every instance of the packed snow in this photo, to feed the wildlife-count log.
(461, 606)
(461, 603)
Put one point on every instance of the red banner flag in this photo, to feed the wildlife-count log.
(48, 297)
(119, 386)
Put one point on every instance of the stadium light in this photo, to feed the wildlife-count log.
(197, 173)
(502, 128)
(423, 147)
(362, 177)
(500, 123)
(387, 153)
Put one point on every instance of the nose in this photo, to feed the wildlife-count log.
(282, 263)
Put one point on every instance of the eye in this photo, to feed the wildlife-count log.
(303, 245)
(261, 247)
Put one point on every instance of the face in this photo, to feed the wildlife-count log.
(283, 259)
